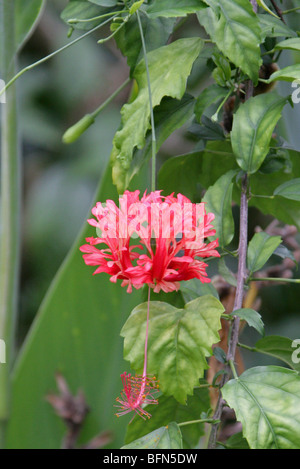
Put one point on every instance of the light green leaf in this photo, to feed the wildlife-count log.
(293, 44)
(76, 332)
(290, 73)
(266, 400)
(253, 125)
(169, 68)
(174, 8)
(279, 347)
(218, 200)
(168, 410)
(234, 27)
(260, 249)
(179, 341)
(289, 189)
(252, 318)
(168, 437)
(209, 95)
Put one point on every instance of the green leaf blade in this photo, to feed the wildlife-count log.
(235, 28)
(174, 8)
(218, 200)
(252, 129)
(179, 342)
(168, 437)
(266, 400)
(289, 190)
(260, 249)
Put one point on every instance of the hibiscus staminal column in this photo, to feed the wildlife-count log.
(138, 390)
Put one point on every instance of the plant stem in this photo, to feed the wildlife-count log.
(191, 422)
(274, 279)
(10, 209)
(153, 178)
(286, 12)
(13, 78)
(97, 111)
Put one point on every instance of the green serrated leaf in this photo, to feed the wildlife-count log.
(266, 400)
(289, 190)
(253, 125)
(279, 347)
(174, 8)
(237, 442)
(169, 68)
(179, 341)
(252, 318)
(260, 249)
(234, 27)
(167, 437)
(168, 410)
(218, 200)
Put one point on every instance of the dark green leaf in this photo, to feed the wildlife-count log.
(218, 200)
(85, 10)
(168, 410)
(209, 95)
(273, 27)
(253, 125)
(226, 273)
(208, 130)
(279, 347)
(234, 27)
(104, 3)
(192, 289)
(167, 437)
(266, 400)
(26, 16)
(179, 341)
(174, 8)
(168, 116)
(252, 318)
(260, 249)
(237, 442)
(283, 252)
